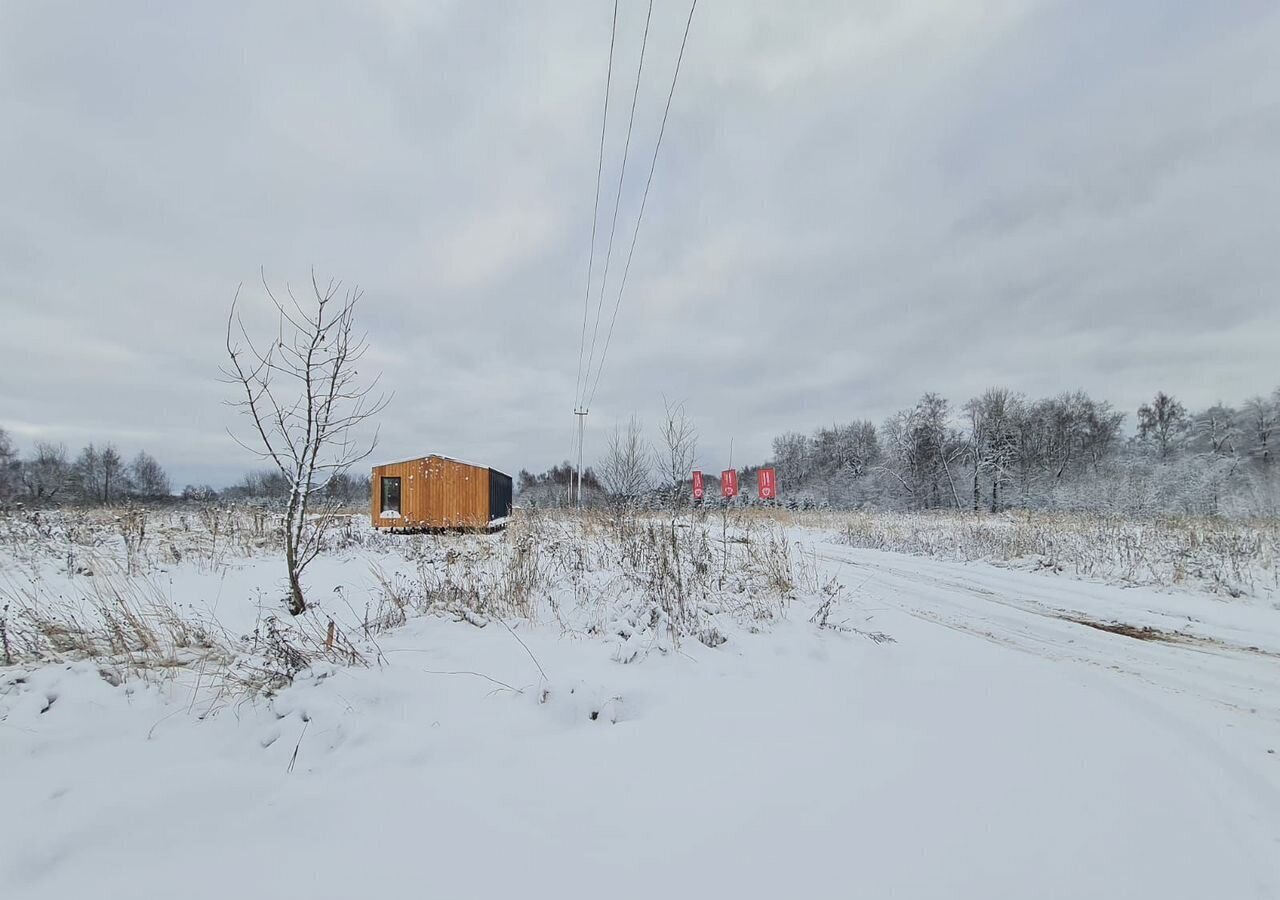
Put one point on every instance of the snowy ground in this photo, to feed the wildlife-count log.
(1007, 743)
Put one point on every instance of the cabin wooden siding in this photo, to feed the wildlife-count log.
(434, 493)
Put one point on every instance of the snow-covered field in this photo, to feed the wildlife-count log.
(748, 707)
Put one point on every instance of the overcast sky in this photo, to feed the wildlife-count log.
(856, 202)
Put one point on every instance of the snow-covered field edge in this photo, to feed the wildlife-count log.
(765, 702)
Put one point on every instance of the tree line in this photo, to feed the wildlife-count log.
(1002, 450)
(271, 486)
(998, 451)
(98, 475)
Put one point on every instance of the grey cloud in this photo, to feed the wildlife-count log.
(855, 203)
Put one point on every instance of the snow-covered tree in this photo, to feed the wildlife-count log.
(921, 447)
(627, 468)
(1259, 425)
(993, 440)
(791, 458)
(300, 389)
(1215, 430)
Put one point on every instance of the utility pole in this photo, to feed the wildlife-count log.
(582, 421)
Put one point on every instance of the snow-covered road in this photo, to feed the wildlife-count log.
(996, 749)
(1184, 643)
(1202, 675)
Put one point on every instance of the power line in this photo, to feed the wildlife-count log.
(617, 200)
(643, 200)
(579, 385)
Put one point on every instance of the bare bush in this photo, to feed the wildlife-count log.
(627, 469)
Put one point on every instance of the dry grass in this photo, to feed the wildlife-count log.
(84, 584)
(640, 578)
(1230, 557)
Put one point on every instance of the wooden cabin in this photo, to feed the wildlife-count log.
(438, 492)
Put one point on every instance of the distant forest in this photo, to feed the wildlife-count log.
(995, 452)
(99, 476)
(1002, 451)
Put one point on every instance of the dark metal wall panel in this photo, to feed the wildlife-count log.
(499, 495)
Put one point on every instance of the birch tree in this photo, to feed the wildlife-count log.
(299, 388)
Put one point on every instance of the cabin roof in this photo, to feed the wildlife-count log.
(400, 462)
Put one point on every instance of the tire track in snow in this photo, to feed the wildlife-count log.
(1241, 678)
(1154, 679)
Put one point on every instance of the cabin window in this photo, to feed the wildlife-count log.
(390, 496)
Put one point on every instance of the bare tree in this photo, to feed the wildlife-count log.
(147, 478)
(112, 473)
(301, 391)
(88, 474)
(627, 469)
(679, 446)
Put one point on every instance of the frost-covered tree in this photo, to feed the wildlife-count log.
(851, 449)
(921, 447)
(791, 457)
(994, 432)
(1215, 430)
(627, 468)
(300, 389)
(1259, 424)
(1162, 421)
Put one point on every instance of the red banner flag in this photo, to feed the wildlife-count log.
(698, 489)
(729, 482)
(768, 484)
